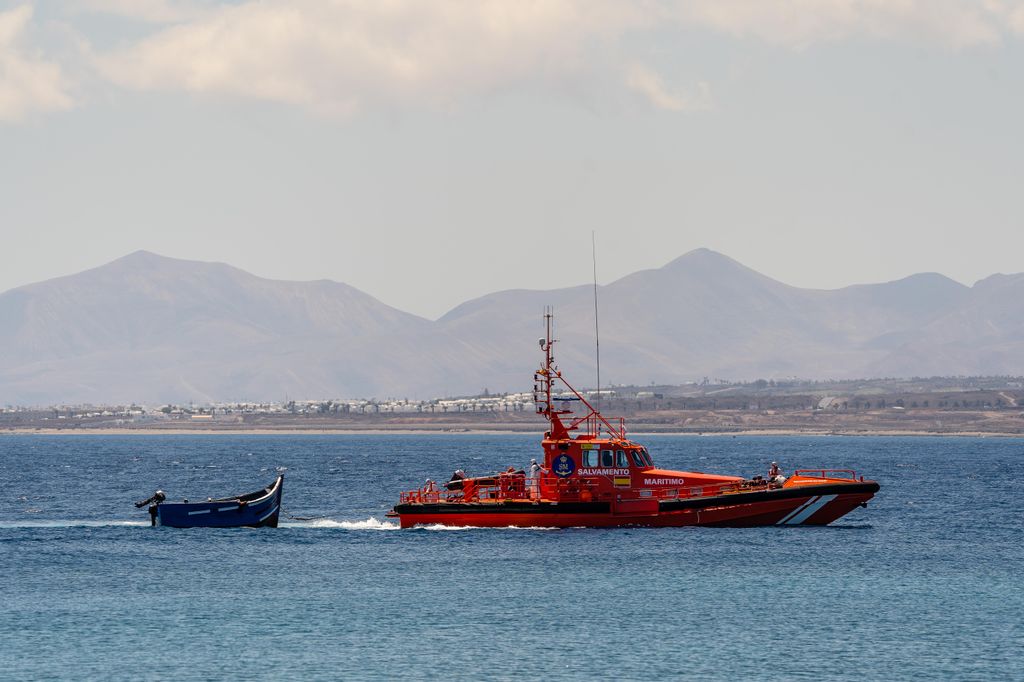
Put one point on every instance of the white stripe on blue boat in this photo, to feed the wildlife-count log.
(227, 508)
(201, 511)
(269, 513)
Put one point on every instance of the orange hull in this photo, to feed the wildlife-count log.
(809, 506)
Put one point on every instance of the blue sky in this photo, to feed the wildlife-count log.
(428, 153)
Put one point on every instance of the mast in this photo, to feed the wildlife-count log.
(597, 328)
(548, 360)
(544, 379)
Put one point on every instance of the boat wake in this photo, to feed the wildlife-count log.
(376, 524)
(70, 523)
(369, 524)
(438, 526)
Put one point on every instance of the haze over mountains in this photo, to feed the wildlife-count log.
(147, 328)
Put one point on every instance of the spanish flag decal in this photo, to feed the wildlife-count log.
(622, 480)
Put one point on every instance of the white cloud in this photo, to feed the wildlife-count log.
(650, 84)
(152, 11)
(338, 56)
(1016, 18)
(800, 23)
(28, 83)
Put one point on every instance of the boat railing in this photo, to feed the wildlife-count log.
(508, 487)
(523, 488)
(571, 489)
(827, 473)
(518, 487)
(709, 490)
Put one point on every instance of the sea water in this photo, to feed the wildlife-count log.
(925, 583)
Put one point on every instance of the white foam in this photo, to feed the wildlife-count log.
(369, 524)
(438, 526)
(69, 523)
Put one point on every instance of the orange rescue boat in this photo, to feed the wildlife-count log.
(600, 478)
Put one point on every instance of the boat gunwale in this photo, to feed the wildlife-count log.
(269, 491)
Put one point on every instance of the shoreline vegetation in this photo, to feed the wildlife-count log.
(909, 422)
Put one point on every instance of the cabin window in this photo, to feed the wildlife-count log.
(646, 456)
(590, 458)
(620, 459)
(607, 458)
(637, 459)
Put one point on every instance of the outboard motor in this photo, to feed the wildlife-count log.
(153, 503)
(456, 481)
(157, 498)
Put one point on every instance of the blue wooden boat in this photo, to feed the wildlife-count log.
(255, 509)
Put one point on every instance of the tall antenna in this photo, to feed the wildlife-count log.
(597, 328)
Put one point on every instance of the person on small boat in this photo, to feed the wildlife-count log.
(775, 474)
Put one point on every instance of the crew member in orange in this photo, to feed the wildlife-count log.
(430, 491)
(535, 473)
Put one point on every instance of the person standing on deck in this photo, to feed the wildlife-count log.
(536, 470)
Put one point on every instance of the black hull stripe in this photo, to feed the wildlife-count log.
(665, 505)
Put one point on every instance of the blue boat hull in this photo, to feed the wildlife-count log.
(260, 508)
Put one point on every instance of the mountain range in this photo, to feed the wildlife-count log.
(152, 329)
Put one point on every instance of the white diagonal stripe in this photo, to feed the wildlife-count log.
(809, 511)
(795, 511)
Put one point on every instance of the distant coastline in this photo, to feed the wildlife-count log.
(639, 429)
(934, 406)
(496, 432)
